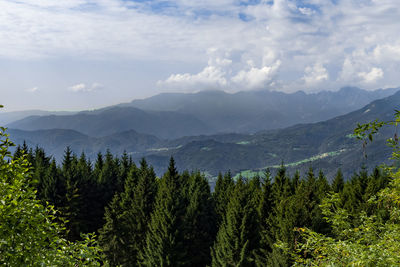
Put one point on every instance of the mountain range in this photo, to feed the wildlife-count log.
(326, 145)
(171, 116)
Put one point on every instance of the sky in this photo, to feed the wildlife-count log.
(85, 54)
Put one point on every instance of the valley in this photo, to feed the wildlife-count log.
(326, 145)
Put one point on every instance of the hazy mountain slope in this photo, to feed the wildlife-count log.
(8, 117)
(172, 116)
(258, 110)
(327, 145)
(55, 141)
(164, 124)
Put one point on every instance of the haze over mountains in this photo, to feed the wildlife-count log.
(175, 115)
(8, 117)
(176, 124)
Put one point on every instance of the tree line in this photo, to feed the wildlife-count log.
(175, 220)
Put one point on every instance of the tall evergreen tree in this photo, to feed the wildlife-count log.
(117, 237)
(200, 221)
(164, 239)
(338, 182)
(221, 195)
(238, 237)
(141, 209)
(72, 199)
(265, 210)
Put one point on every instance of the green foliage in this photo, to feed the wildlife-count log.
(338, 182)
(238, 237)
(29, 233)
(371, 239)
(164, 239)
(123, 235)
(199, 221)
(221, 195)
(176, 221)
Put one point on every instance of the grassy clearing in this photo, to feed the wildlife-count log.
(243, 143)
(253, 173)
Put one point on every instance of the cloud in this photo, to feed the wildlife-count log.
(226, 71)
(356, 40)
(315, 74)
(372, 76)
(256, 78)
(211, 77)
(33, 89)
(82, 87)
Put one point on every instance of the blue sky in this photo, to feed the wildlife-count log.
(84, 54)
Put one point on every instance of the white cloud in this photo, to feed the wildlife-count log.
(372, 76)
(387, 52)
(315, 74)
(33, 89)
(82, 87)
(211, 77)
(307, 11)
(256, 78)
(356, 40)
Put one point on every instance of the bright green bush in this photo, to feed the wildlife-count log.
(375, 240)
(29, 232)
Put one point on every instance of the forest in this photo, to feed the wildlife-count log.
(116, 212)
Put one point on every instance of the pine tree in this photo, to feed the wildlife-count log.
(40, 164)
(281, 187)
(72, 202)
(338, 182)
(164, 239)
(110, 238)
(200, 221)
(221, 195)
(265, 210)
(53, 186)
(238, 237)
(141, 209)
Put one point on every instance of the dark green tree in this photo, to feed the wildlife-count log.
(338, 182)
(199, 222)
(164, 239)
(238, 237)
(221, 195)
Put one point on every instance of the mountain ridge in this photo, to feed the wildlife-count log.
(175, 115)
(326, 145)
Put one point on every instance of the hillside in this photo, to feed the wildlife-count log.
(171, 116)
(98, 123)
(8, 117)
(325, 145)
(252, 111)
(56, 140)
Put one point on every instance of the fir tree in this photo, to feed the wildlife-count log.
(238, 236)
(200, 221)
(141, 209)
(164, 239)
(265, 211)
(221, 195)
(338, 182)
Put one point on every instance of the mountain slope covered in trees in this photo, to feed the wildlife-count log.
(252, 111)
(112, 120)
(170, 116)
(324, 145)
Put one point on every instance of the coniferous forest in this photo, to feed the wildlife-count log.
(176, 220)
(139, 219)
